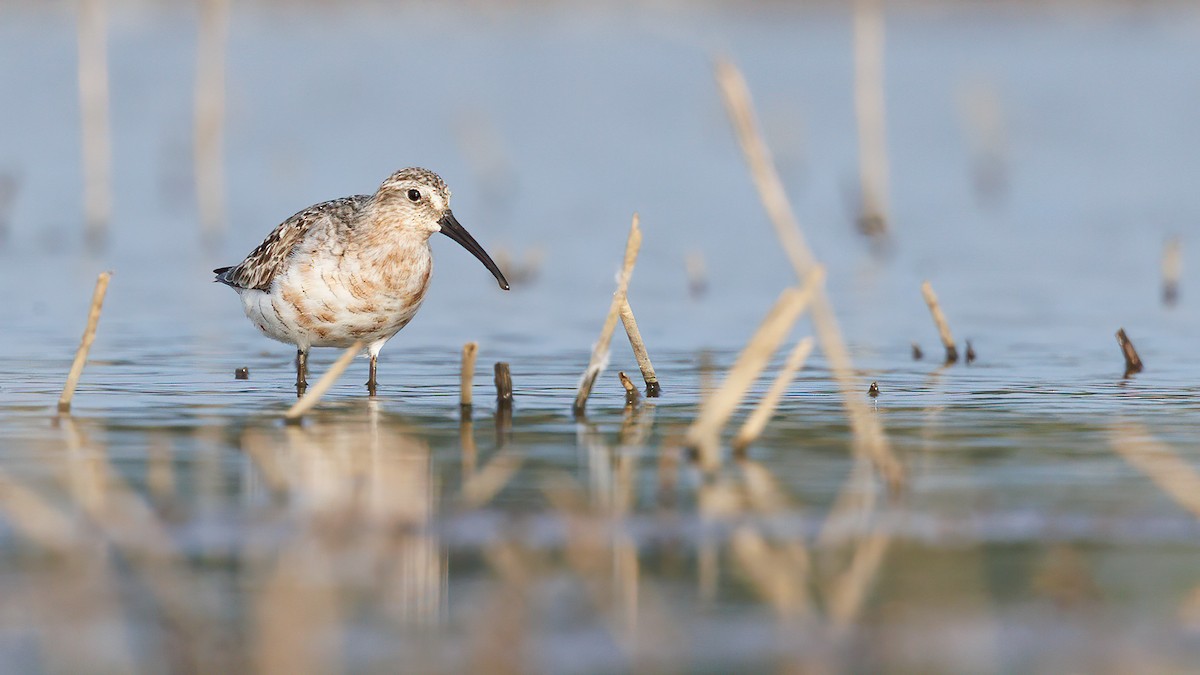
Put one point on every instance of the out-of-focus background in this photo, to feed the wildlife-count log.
(1035, 161)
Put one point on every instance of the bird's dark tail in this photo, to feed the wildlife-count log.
(220, 272)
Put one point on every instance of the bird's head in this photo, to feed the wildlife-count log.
(418, 199)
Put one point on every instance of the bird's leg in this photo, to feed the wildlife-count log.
(371, 377)
(301, 372)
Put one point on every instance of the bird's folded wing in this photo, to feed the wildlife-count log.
(267, 260)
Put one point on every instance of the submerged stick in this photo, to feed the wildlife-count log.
(935, 309)
(600, 350)
(504, 394)
(631, 392)
(868, 432)
(1133, 363)
(757, 421)
(93, 102)
(1172, 267)
(704, 433)
(639, 350)
(85, 344)
(318, 390)
(469, 352)
(872, 122)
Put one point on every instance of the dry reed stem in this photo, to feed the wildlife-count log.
(870, 111)
(600, 350)
(160, 472)
(318, 390)
(469, 352)
(852, 509)
(481, 487)
(851, 589)
(209, 136)
(498, 639)
(626, 587)
(1160, 463)
(1133, 362)
(34, 518)
(132, 527)
(466, 440)
(653, 389)
(85, 344)
(636, 425)
(739, 105)
(71, 603)
(697, 273)
(939, 319)
(780, 572)
(607, 565)
(1172, 268)
(704, 433)
(757, 421)
(623, 498)
(983, 112)
(93, 101)
(295, 613)
(775, 576)
(868, 432)
(763, 493)
(262, 451)
(631, 392)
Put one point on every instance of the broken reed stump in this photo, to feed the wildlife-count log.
(469, 352)
(85, 343)
(631, 392)
(315, 392)
(504, 394)
(1172, 267)
(1133, 363)
(935, 310)
(917, 354)
(970, 353)
(753, 427)
(639, 350)
(504, 404)
(600, 351)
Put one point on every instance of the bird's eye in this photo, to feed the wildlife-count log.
(414, 195)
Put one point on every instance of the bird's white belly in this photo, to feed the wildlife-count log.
(327, 305)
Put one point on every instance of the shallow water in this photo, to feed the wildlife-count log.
(185, 527)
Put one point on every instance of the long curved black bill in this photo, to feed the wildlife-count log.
(453, 229)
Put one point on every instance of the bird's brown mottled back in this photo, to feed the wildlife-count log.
(260, 268)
